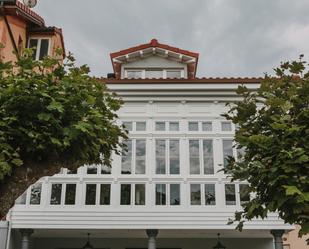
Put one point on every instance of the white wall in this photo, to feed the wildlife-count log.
(4, 225)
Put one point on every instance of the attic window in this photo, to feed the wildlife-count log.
(133, 74)
(154, 74)
(173, 74)
(40, 47)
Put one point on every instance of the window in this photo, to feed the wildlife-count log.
(134, 74)
(194, 148)
(208, 157)
(160, 126)
(174, 126)
(140, 159)
(140, 126)
(91, 191)
(105, 194)
(154, 74)
(174, 167)
(167, 149)
(160, 194)
(40, 48)
(139, 194)
(173, 74)
(210, 194)
(195, 194)
(21, 200)
(35, 196)
(244, 193)
(92, 169)
(227, 150)
(56, 190)
(71, 172)
(125, 195)
(206, 126)
(193, 126)
(128, 126)
(134, 148)
(70, 194)
(126, 159)
(174, 194)
(106, 170)
(160, 157)
(230, 197)
(226, 126)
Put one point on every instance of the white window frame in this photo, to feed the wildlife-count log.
(38, 48)
(168, 194)
(203, 199)
(132, 189)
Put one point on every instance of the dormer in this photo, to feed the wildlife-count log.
(154, 61)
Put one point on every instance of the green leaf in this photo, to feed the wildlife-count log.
(55, 106)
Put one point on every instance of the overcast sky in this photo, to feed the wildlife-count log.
(233, 37)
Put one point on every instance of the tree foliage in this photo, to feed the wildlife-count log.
(273, 132)
(52, 115)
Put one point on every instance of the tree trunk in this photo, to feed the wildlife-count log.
(21, 178)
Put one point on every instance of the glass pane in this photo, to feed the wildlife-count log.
(92, 169)
(174, 157)
(230, 197)
(126, 160)
(125, 198)
(154, 74)
(21, 200)
(173, 74)
(105, 194)
(210, 194)
(91, 190)
(33, 44)
(35, 197)
(175, 194)
(226, 126)
(55, 198)
(128, 126)
(140, 156)
(193, 126)
(70, 194)
(160, 126)
(227, 150)
(140, 126)
(71, 172)
(208, 157)
(105, 170)
(244, 193)
(174, 126)
(160, 194)
(160, 157)
(194, 147)
(44, 48)
(195, 190)
(207, 126)
(139, 194)
(137, 74)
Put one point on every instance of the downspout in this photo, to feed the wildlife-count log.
(9, 29)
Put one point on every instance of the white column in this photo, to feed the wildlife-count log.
(25, 238)
(278, 238)
(152, 234)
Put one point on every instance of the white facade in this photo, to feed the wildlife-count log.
(178, 144)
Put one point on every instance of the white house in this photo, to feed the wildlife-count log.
(167, 190)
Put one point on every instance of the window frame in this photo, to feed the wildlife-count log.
(38, 48)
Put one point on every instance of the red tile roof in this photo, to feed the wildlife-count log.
(231, 80)
(26, 12)
(154, 44)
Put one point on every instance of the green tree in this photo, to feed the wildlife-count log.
(273, 133)
(52, 115)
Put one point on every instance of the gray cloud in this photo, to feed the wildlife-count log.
(233, 37)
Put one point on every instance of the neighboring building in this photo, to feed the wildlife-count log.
(20, 27)
(166, 189)
(292, 241)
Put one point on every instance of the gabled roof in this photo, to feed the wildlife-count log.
(155, 48)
